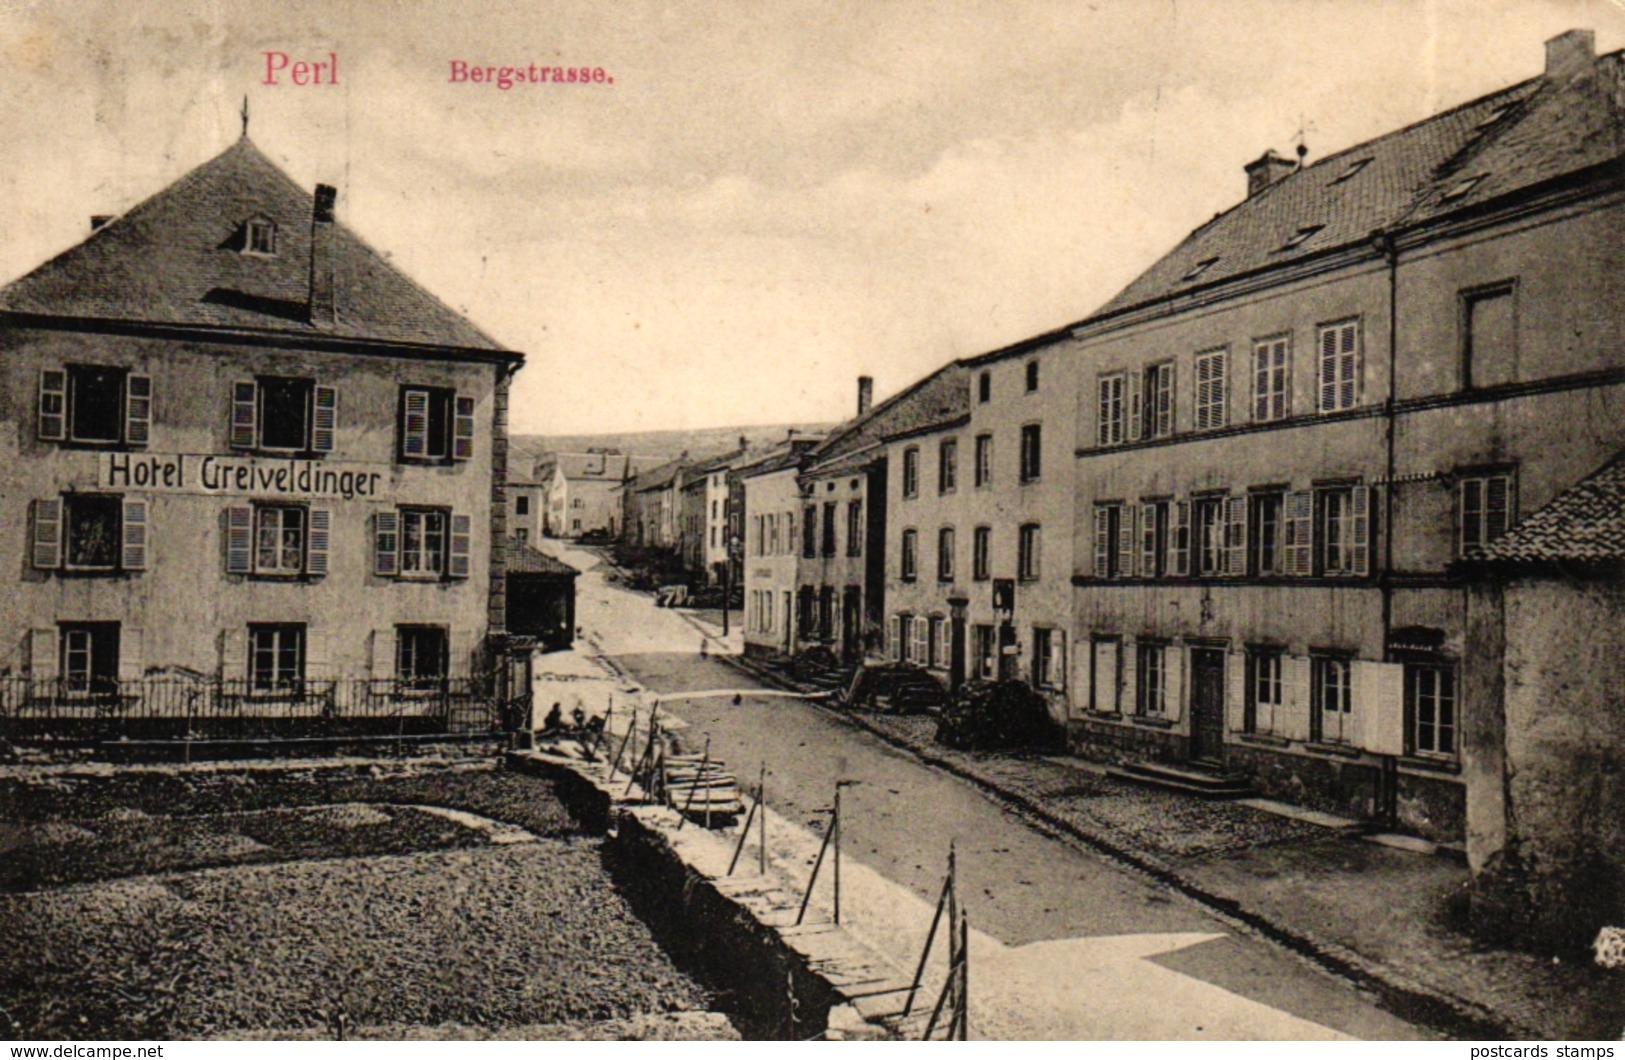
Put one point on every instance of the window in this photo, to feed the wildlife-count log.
(1049, 658)
(936, 642)
(1157, 411)
(88, 656)
(1032, 376)
(809, 533)
(713, 509)
(911, 472)
(521, 505)
(984, 646)
(1332, 695)
(1489, 349)
(948, 465)
(1029, 553)
(1211, 396)
(1151, 688)
(1342, 530)
(1264, 704)
(1109, 416)
(984, 460)
(1032, 452)
(279, 539)
(905, 638)
(276, 659)
(421, 654)
(981, 551)
(1208, 515)
(91, 531)
(1199, 268)
(1264, 525)
(1113, 540)
(1339, 379)
(984, 388)
(436, 424)
(1352, 171)
(1430, 710)
(523, 535)
(910, 555)
(826, 613)
(1154, 529)
(829, 529)
(945, 554)
(1272, 358)
(421, 543)
(1486, 505)
(283, 415)
(1300, 237)
(1460, 189)
(261, 237)
(95, 404)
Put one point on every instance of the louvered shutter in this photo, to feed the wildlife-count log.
(321, 532)
(244, 415)
(1148, 541)
(1235, 691)
(1235, 536)
(1360, 535)
(324, 424)
(47, 543)
(1163, 397)
(131, 651)
(234, 656)
(462, 443)
(1104, 405)
(1379, 706)
(239, 539)
(53, 404)
(1106, 677)
(1210, 407)
(1497, 506)
(138, 409)
(134, 553)
(460, 542)
(1348, 338)
(1057, 650)
(318, 662)
(1125, 540)
(415, 424)
(1134, 413)
(922, 629)
(1299, 523)
(386, 542)
(1179, 539)
(897, 638)
(43, 660)
(1328, 370)
(1103, 541)
(1173, 691)
(383, 655)
(1295, 691)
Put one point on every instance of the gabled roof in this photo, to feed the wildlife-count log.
(1584, 524)
(526, 559)
(940, 398)
(178, 259)
(787, 454)
(659, 477)
(595, 467)
(1512, 140)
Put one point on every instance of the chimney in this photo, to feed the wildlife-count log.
(1270, 168)
(1570, 53)
(866, 393)
(322, 308)
(744, 443)
(98, 220)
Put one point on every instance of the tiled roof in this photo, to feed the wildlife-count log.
(1583, 524)
(524, 559)
(597, 467)
(789, 453)
(659, 477)
(1512, 140)
(941, 397)
(177, 259)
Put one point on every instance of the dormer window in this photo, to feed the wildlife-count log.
(1494, 116)
(1462, 188)
(1199, 268)
(1301, 237)
(1352, 171)
(260, 237)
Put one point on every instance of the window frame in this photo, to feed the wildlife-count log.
(982, 460)
(1030, 375)
(982, 553)
(1447, 692)
(947, 466)
(1159, 380)
(1272, 382)
(280, 512)
(76, 375)
(910, 479)
(1151, 696)
(406, 635)
(1467, 299)
(293, 687)
(115, 503)
(1032, 452)
(984, 387)
(1258, 676)
(946, 553)
(1483, 478)
(422, 513)
(1323, 664)
(1211, 407)
(1029, 552)
(1049, 658)
(1356, 360)
(1111, 409)
(1208, 533)
(100, 680)
(908, 555)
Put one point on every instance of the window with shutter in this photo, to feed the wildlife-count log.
(135, 534)
(462, 447)
(1125, 541)
(321, 527)
(1339, 351)
(1210, 390)
(1208, 518)
(1104, 540)
(1133, 406)
(92, 532)
(1109, 411)
(325, 419)
(1159, 400)
(1235, 536)
(53, 404)
(386, 544)
(1153, 538)
(1180, 538)
(461, 540)
(1486, 503)
(1265, 533)
(240, 539)
(1300, 521)
(47, 538)
(415, 423)
(1271, 365)
(244, 415)
(1360, 531)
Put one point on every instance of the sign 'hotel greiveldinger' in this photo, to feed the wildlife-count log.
(237, 476)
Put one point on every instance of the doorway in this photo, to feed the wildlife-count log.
(1207, 705)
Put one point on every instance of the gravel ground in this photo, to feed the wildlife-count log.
(393, 916)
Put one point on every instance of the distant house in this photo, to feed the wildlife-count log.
(771, 507)
(581, 491)
(704, 537)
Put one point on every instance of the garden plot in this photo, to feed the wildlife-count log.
(408, 918)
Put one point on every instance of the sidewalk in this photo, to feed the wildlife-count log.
(1382, 917)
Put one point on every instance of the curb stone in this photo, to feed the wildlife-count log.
(1431, 1006)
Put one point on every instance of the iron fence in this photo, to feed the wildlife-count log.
(171, 707)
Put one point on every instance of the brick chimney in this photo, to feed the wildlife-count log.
(1269, 168)
(1570, 54)
(866, 393)
(323, 310)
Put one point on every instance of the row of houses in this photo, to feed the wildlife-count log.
(1311, 500)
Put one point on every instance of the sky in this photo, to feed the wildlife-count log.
(765, 198)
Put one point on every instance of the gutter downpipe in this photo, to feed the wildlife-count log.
(1383, 241)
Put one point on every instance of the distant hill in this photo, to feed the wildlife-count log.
(663, 444)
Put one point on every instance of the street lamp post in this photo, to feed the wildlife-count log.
(727, 580)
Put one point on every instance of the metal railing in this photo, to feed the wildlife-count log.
(203, 707)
